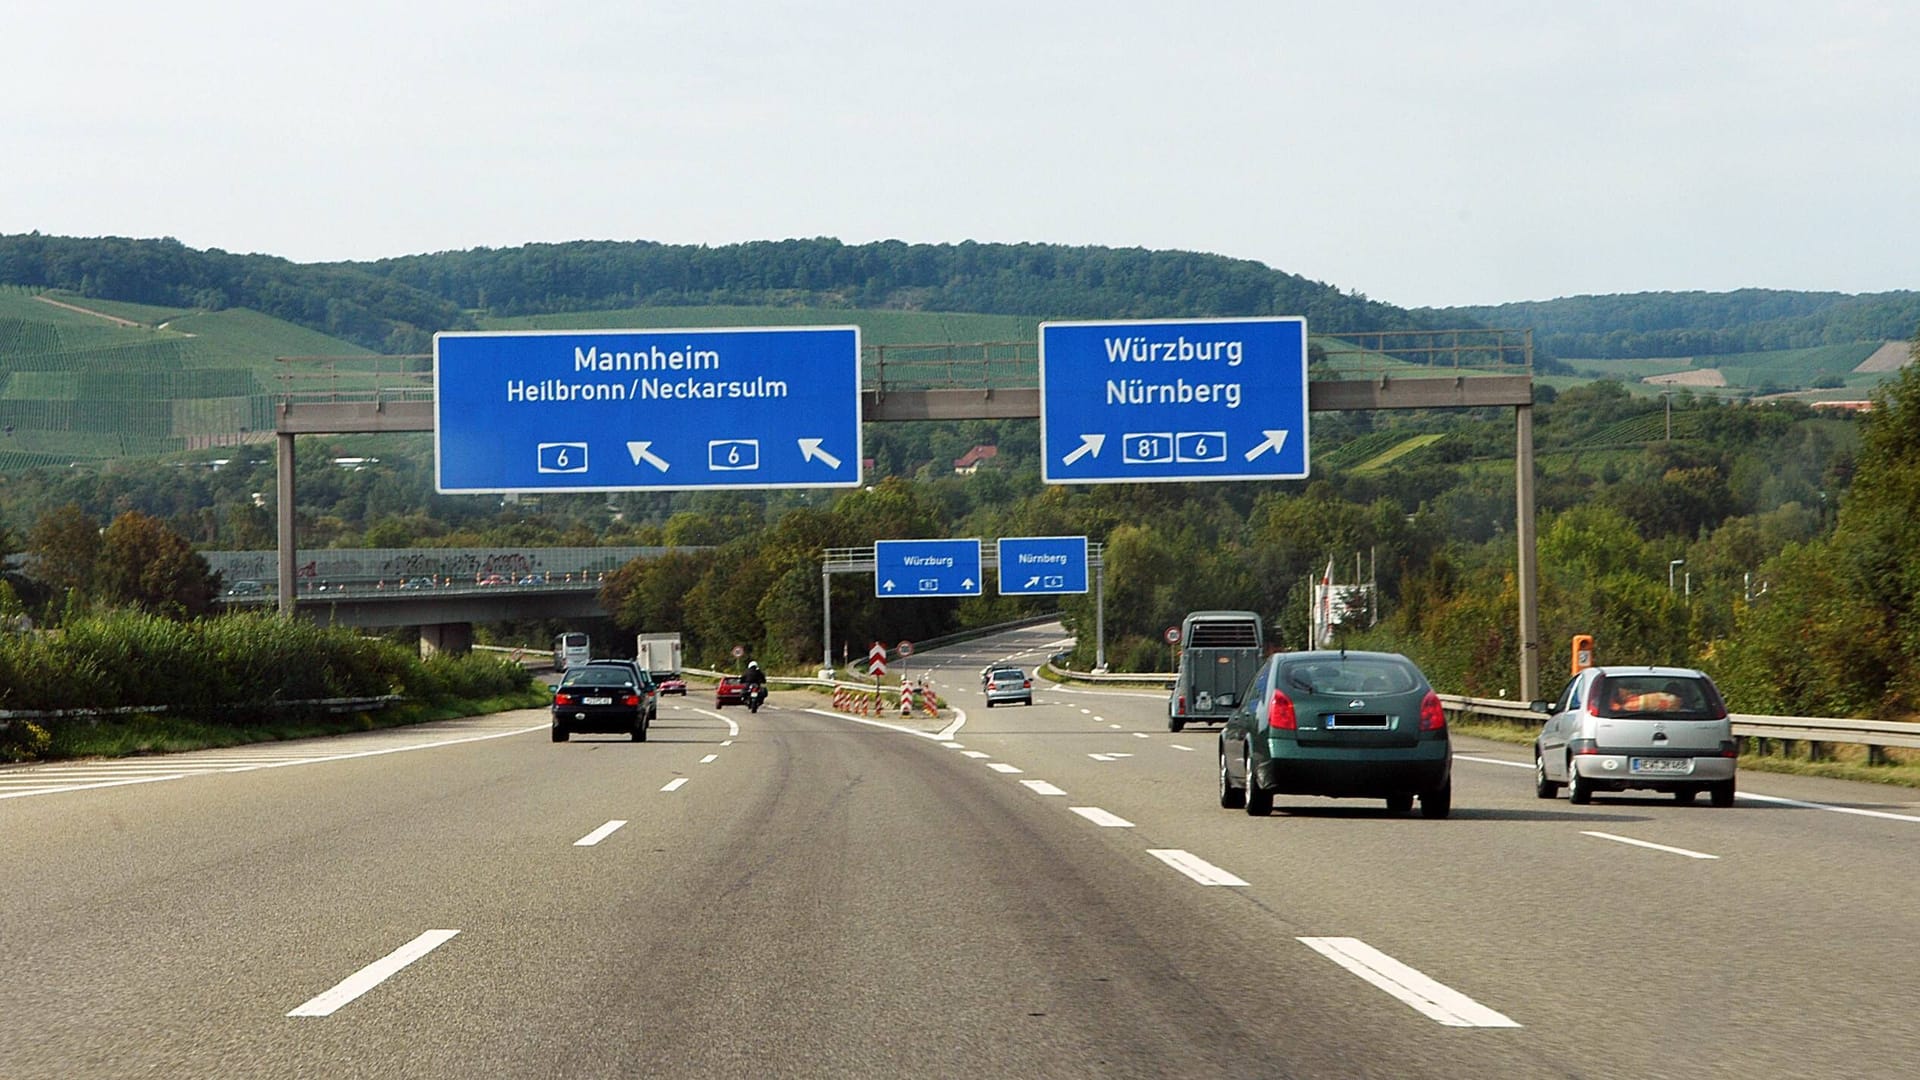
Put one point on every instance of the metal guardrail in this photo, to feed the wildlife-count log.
(1815, 731)
(327, 705)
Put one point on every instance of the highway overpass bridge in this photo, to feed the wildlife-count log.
(443, 591)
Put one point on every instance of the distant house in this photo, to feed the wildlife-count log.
(969, 462)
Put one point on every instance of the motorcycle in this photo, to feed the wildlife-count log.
(756, 694)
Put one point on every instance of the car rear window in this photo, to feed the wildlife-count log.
(1665, 697)
(1351, 675)
(597, 677)
(1009, 675)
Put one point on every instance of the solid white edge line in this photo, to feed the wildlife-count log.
(1494, 761)
(1648, 844)
(1434, 999)
(733, 729)
(675, 785)
(917, 733)
(1882, 814)
(403, 749)
(1042, 787)
(599, 834)
(86, 787)
(1101, 817)
(277, 764)
(374, 974)
(1194, 866)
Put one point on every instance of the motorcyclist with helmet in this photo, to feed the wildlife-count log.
(755, 681)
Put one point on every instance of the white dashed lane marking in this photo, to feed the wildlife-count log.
(1433, 999)
(599, 834)
(1195, 867)
(373, 974)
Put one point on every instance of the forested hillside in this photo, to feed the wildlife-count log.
(1794, 583)
(1042, 280)
(346, 302)
(1701, 323)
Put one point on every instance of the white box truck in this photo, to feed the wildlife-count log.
(659, 655)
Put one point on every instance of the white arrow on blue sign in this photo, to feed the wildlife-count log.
(1164, 400)
(926, 568)
(647, 410)
(1040, 565)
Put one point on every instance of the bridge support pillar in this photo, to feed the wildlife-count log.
(452, 637)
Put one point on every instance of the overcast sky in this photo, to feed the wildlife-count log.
(1421, 153)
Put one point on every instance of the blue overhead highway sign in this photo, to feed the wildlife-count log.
(926, 568)
(1035, 565)
(647, 410)
(1165, 400)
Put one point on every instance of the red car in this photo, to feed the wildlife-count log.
(730, 691)
(672, 684)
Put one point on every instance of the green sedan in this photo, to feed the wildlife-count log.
(1361, 725)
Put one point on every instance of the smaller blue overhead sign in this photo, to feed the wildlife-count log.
(1161, 401)
(1039, 565)
(926, 568)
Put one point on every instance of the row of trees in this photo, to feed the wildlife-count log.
(74, 564)
(1797, 585)
(370, 310)
(1702, 323)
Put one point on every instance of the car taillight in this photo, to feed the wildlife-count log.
(1432, 716)
(1026, 684)
(1730, 748)
(633, 699)
(1182, 707)
(1280, 713)
(563, 699)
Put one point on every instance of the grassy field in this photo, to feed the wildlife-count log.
(1745, 373)
(78, 387)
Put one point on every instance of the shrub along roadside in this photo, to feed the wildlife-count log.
(227, 680)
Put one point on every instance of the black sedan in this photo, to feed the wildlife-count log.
(601, 698)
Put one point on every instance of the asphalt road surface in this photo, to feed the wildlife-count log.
(1044, 891)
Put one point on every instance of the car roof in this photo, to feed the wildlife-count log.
(1650, 669)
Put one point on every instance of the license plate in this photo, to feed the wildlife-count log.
(1681, 766)
(596, 701)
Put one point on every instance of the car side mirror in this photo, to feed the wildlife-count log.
(1547, 707)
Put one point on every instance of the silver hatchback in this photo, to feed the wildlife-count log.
(1006, 685)
(1655, 728)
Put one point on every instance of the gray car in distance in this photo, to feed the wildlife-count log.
(1006, 685)
(1653, 728)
